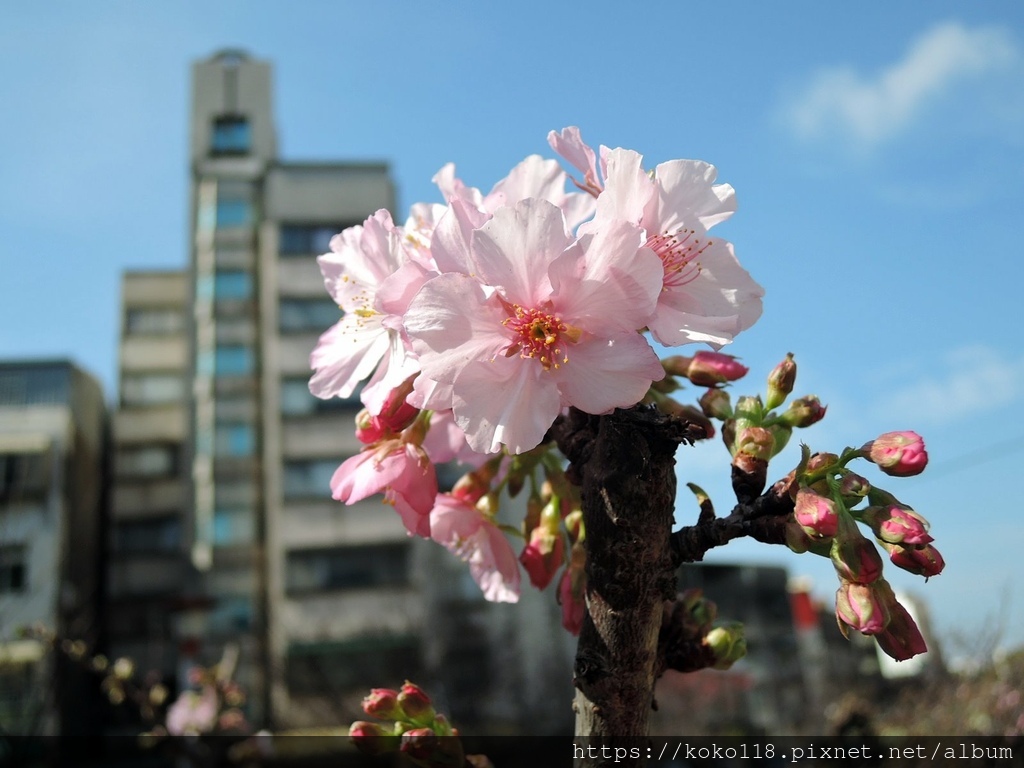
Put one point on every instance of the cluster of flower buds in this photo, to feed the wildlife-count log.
(752, 429)
(827, 520)
(410, 726)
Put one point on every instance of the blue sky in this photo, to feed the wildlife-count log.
(877, 153)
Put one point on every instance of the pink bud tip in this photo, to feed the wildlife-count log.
(900, 454)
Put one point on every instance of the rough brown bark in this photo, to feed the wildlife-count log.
(625, 465)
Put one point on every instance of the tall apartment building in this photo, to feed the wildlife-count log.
(53, 484)
(224, 459)
(149, 574)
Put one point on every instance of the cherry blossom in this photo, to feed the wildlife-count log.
(547, 322)
(361, 260)
(706, 295)
(467, 533)
(400, 469)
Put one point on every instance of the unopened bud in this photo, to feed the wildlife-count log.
(921, 561)
(854, 487)
(756, 442)
(716, 404)
(415, 703)
(372, 738)
(780, 382)
(900, 454)
(897, 525)
(727, 643)
(853, 556)
(901, 639)
(470, 487)
(543, 555)
(859, 606)
(419, 743)
(382, 703)
(706, 369)
(803, 412)
(816, 514)
(821, 461)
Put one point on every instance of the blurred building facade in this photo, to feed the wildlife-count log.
(53, 484)
(224, 531)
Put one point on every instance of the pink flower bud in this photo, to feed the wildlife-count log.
(804, 411)
(853, 556)
(780, 382)
(854, 486)
(372, 738)
(756, 442)
(900, 454)
(543, 556)
(706, 369)
(861, 607)
(820, 461)
(572, 589)
(382, 703)
(368, 428)
(415, 704)
(901, 639)
(897, 525)
(419, 743)
(816, 514)
(922, 561)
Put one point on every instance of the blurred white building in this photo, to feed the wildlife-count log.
(53, 479)
(225, 531)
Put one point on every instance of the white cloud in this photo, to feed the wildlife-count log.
(973, 379)
(871, 109)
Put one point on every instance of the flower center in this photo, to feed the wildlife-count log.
(679, 252)
(539, 335)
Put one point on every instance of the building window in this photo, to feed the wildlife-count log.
(233, 525)
(152, 388)
(234, 360)
(155, 535)
(154, 321)
(298, 315)
(231, 135)
(230, 492)
(150, 461)
(234, 205)
(234, 439)
(366, 567)
(232, 284)
(307, 239)
(297, 400)
(308, 478)
(23, 476)
(232, 214)
(13, 568)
